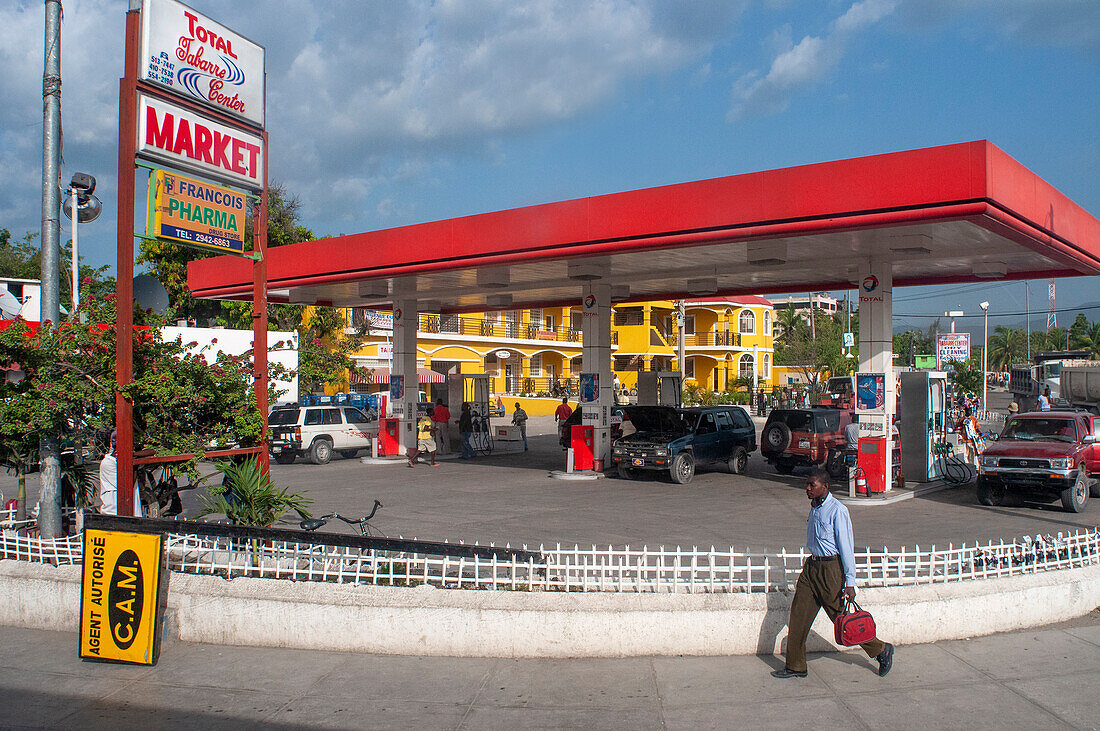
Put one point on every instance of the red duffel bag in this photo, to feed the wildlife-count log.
(853, 626)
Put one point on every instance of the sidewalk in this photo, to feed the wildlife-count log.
(1043, 678)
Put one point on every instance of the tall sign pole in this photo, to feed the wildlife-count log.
(259, 311)
(124, 270)
(193, 98)
(49, 519)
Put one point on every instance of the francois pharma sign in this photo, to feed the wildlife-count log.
(194, 56)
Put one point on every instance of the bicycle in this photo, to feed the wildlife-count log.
(363, 523)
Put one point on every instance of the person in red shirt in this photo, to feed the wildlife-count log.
(441, 418)
(562, 414)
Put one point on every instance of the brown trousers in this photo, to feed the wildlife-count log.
(819, 586)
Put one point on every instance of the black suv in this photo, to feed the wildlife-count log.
(678, 440)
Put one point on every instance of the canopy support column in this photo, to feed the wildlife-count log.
(876, 346)
(406, 322)
(596, 359)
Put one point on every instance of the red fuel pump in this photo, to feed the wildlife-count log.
(872, 462)
(582, 439)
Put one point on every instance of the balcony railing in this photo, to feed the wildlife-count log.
(712, 340)
(556, 387)
(474, 327)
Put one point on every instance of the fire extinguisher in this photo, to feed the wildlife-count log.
(861, 481)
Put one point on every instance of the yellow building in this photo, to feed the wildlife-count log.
(537, 352)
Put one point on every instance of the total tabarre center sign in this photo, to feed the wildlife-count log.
(199, 58)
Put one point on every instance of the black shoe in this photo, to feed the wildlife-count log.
(885, 660)
(788, 673)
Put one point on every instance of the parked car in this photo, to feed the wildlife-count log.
(317, 431)
(805, 438)
(1045, 455)
(681, 440)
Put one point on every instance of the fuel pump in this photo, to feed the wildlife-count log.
(922, 410)
(660, 388)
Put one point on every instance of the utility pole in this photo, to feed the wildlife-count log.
(1027, 308)
(49, 516)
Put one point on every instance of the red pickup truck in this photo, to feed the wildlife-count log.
(1045, 454)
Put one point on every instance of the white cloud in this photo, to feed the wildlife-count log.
(802, 64)
(359, 93)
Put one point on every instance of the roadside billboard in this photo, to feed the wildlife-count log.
(171, 134)
(199, 58)
(198, 213)
(952, 346)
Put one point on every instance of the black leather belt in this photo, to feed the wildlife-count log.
(824, 558)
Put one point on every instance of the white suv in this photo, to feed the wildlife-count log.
(318, 430)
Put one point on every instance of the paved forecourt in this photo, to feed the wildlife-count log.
(1040, 678)
(509, 498)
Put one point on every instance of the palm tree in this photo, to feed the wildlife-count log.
(1007, 345)
(1090, 339)
(787, 319)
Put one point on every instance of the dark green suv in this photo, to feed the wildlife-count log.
(680, 440)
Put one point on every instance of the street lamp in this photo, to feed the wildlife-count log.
(88, 208)
(985, 354)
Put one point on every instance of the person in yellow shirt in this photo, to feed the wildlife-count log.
(424, 442)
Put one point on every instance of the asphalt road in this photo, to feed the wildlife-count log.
(510, 498)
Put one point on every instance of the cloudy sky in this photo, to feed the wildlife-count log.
(387, 113)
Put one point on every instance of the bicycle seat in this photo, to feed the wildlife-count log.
(312, 524)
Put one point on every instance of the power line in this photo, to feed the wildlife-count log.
(1005, 314)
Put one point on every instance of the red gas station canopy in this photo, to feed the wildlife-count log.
(955, 213)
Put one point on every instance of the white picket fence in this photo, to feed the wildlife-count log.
(636, 570)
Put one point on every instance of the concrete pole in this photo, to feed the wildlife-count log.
(876, 344)
(596, 358)
(49, 516)
(406, 321)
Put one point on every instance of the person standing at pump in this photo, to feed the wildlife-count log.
(424, 442)
(1044, 399)
(561, 415)
(519, 418)
(969, 435)
(466, 430)
(441, 419)
(828, 578)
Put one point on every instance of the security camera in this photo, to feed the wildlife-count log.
(83, 183)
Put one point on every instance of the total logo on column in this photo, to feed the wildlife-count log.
(868, 286)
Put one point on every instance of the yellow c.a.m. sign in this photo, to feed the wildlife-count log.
(119, 606)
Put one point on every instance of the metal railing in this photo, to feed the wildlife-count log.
(476, 327)
(712, 340)
(396, 562)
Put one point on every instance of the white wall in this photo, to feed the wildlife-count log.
(239, 342)
(426, 621)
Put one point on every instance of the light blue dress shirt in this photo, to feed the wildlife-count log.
(829, 533)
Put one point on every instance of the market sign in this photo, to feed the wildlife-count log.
(119, 597)
(952, 346)
(198, 213)
(171, 134)
(201, 59)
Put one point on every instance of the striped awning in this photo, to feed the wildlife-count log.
(381, 375)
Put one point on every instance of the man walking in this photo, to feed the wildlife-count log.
(519, 418)
(561, 415)
(465, 429)
(828, 577)
(441, 417)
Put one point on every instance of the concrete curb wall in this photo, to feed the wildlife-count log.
(426, 621)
